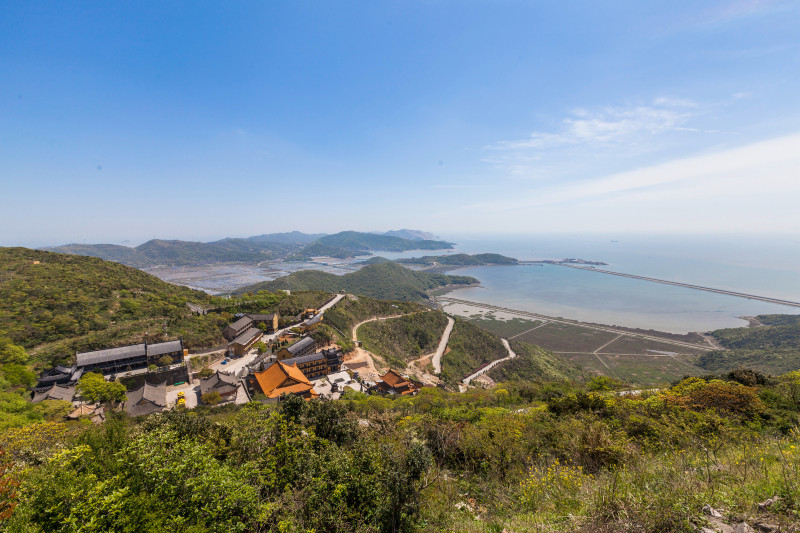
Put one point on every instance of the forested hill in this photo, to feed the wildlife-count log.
(773, 347)
(46, 296)
(355, 241)
(387, 281)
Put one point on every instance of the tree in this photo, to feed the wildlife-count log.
(292, 407)
(211, 398)
(8, 489)
(165, 361)
(152, 368)
(11, 353)
(260, 346)
(95, 388)
(205, 373)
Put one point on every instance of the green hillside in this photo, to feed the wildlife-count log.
(354, 309)
(110, 252)
(68, 303)
(387, 281)
(403, 339)
(354, 240)
(534, 363)
(66, 296)
(773, 348)
(469, 348)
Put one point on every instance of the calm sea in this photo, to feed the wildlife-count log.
(764, 266)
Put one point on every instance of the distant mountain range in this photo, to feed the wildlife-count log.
(291, 245)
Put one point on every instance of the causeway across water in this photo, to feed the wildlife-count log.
(677, 284)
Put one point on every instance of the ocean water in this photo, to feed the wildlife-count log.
(763, 265)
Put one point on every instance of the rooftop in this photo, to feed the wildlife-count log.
(111, 354)
(247, 336)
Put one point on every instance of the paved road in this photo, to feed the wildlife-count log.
(336, 299)
(437, 357)
(511, 355)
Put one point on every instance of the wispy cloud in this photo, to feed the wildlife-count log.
(767, 167)
(612, 124)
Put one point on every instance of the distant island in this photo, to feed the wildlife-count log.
(460, 260)
(290, 246)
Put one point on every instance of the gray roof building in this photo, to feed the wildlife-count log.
(99, 357)
(247, 336)
(146, 399)
(301, 347)
(162, 348)
(56, 392)
(224, 384)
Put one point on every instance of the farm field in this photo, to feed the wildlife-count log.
(624, 355)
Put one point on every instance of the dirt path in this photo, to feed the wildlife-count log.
(511, 355)
(361, 360)
(437, 357)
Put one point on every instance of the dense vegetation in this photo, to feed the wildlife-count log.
(520, 456)
(387, 281)
(461, 260)
(534, 363)
(403, 339)
(66, 296)
(68, 303)
(354, 309)
(469, 348)
(773, 347)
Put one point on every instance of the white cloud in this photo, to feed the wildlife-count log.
(755, 187)
(613, 124)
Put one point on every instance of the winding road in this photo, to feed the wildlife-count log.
(511, 355)
(437, 357)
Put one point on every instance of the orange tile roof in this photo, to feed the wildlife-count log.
(393, 379)
(283, 379)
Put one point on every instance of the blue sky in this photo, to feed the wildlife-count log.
(121, 121)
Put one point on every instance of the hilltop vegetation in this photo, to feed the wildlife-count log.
(534, 363)
(403, 339)
(387, 281)
(69, 303)
(461, 260)
(66, 296)
(520, 457)
(352, 310)
(773, 348)
(469, 348)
